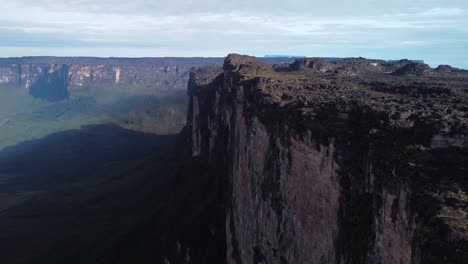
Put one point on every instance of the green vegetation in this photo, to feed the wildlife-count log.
(458, 196)
(459, 226)
(23, 117)
(418, 148)
(460, 201)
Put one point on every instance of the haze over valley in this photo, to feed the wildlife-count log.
(172, 133)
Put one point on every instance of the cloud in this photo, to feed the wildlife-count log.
(209, 27)
(443, 12)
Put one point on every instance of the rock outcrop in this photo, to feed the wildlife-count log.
(333, 162)
(417, 69)
(448, 68)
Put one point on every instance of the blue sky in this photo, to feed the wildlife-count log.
(436, 31)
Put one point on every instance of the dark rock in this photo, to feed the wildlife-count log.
(417, 69)
(447, 69)
(51, 83)
(334, 162)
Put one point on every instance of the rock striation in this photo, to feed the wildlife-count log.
(351, 161)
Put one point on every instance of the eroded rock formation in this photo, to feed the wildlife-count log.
(353, 161)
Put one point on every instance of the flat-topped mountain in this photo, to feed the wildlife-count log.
(314, 161)
(351, 161)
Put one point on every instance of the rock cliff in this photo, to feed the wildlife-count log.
(354, 161)
(52, 78)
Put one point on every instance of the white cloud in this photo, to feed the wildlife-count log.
(413, 42)
(209, 27)
(443, 12)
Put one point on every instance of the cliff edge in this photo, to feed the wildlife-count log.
(351, 161)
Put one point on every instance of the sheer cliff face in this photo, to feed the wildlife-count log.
(332, 164)
(48, 82)
(44, 81)
(53, 78)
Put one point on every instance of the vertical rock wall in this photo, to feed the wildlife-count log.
(53, 78)
(49, 83)
(344, 189)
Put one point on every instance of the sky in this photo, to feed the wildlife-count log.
(434, 31)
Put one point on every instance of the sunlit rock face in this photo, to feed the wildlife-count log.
(53, 78)
(147, 76)
(342, 162)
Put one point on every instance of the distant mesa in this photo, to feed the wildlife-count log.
(415, 61)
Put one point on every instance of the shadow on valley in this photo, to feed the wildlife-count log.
(101, 194)
(23, 117)
(74, 156)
